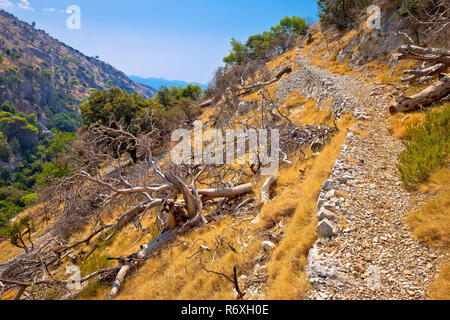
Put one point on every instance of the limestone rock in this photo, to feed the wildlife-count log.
(326, 229)
(267, 245)
(326, 214)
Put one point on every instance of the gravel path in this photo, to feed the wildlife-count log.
(372, 255)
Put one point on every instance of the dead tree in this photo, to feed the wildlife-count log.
(435, 64)
(142, 187)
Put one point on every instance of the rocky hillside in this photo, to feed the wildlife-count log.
(39, 74)
(340, 219)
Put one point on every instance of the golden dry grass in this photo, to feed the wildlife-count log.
(304, 112)
(401, 121)
(177, 273)
(440, 287)
(431, 224)
(285, 59)
(287, 278)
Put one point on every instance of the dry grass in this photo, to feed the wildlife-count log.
(176, 273)
(430, 224)
(287, 278)
(401, 121)
(285, 59)
(440, 287)
(304, 112)
(8, 251)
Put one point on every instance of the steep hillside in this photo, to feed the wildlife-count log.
(39, 74)
(339, 220)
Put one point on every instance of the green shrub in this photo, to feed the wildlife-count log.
(65, 122)
(310, 39)
(29, 199)
(74, 81)
(5, 150)
(262, 46)
(427, 148)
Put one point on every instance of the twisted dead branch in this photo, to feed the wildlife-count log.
(439, 62)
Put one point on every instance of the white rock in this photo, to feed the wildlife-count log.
(267, 245)
(331, 194)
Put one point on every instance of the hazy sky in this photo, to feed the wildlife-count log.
(177, 40)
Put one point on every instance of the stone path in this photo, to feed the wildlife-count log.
(372, 255)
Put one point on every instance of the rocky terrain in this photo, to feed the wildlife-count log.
(365, 250)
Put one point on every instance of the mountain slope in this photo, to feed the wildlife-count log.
(161, 82)
(39, 74)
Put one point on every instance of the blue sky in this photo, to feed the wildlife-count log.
(182, 40)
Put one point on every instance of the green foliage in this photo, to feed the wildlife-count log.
(115, 107)
(105, 107)
(8, 107)
(53, 172)
(15, 232)
(97, 261)
(29, 199)
(427, 149)
(238, 53)
(20, 127)
(47, 74)
(12, 195)
(310, 39)
(5, 150)
(68, 59)
(168, 97)
(65, 121)
(74, 81)
(262, 46)
(409, 7)
(340, 13)
(1, 58)
(13, 76)
(56, 168)
(59, 144)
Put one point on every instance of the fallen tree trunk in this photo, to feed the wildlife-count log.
(424, 98)
(229, 193)
(138, 258)
(265, 190)
(135, 260)
(424, 54)
(286, 70)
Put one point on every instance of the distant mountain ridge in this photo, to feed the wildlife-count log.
(41, 75)
(161, 82)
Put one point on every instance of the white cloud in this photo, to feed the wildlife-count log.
(25, 5)
(5, 4)
(49, 9)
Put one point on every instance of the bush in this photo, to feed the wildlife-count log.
(340, 13)
(29, 199)
(427, 148)
(5, 151)
(19, 129)
(15, 233)
(65, 122)
(262, 46)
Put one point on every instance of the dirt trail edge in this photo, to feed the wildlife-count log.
(365, 250)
